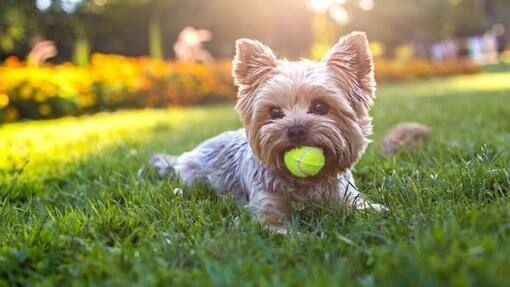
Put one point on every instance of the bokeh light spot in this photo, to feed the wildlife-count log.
(366, 5)
(319, 6)
(100, 2)
(43, 4)
(339, 14)
(70, 6)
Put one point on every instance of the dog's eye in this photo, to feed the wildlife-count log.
(319, 107)
(275, 113)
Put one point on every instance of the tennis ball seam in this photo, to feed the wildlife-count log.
(299, 160)
(304, 161)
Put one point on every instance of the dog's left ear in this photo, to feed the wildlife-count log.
(350, 62)
(252, 62)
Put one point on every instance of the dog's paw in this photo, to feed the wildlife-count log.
(279, 229)
(163, 163)
(367, 206)
(378, 207)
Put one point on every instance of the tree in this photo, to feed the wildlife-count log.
(16, 27)
(397, 22)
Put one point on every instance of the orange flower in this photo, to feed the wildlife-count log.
(13, 61)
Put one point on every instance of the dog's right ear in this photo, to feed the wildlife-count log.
(252, 62)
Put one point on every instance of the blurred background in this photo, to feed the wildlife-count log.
(70, 57)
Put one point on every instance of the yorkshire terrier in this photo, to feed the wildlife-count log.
(282, 105)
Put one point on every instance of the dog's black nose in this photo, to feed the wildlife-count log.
(297, 134)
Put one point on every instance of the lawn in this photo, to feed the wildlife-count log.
(80, 206)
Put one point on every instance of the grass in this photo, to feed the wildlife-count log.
(72, 211)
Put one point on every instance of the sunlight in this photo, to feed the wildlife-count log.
(366, 4)
(67, 139)
(339, 14)
(319, 6)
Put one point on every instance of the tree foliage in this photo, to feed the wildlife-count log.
(122, 26)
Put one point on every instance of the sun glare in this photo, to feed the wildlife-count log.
(319, 6)
(339, 14)
(366, 5)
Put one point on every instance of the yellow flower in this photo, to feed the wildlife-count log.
(11, 114)
(40, 96)
(45, 110)
(26, 92)
(4, 100)
(86, 100)
(377, 49)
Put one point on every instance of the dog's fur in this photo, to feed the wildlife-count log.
(248, 163)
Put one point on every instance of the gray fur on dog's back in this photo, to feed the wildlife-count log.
(219, 162)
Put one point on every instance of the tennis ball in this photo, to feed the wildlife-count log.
(304, 161)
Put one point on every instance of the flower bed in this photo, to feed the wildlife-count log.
(111, 82)
(392, 70)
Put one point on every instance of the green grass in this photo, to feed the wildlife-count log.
(72, 211)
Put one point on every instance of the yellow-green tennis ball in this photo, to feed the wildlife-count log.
(304, 161)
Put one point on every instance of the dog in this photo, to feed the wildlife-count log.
(282, 105)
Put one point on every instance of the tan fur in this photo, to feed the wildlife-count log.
(343, 79)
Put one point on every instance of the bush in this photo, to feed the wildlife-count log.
(391, 70)
(111, 82)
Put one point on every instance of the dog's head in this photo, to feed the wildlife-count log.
(286, 104)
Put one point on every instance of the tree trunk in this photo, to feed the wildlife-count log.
(81, 51)
(155, 43)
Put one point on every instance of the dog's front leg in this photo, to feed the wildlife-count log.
(270, 208)
(362, 204)
(349, 195)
